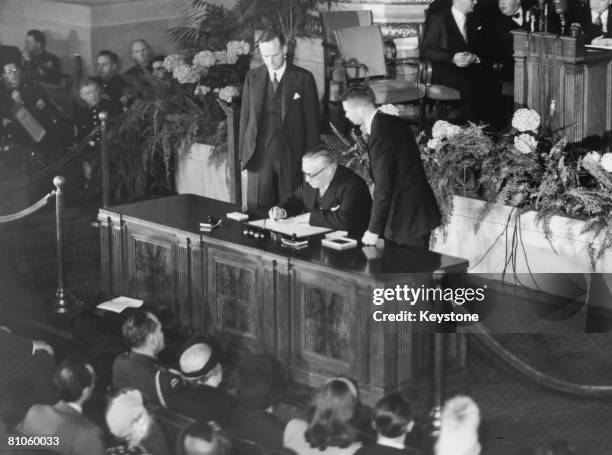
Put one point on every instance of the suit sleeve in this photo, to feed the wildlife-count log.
(244, 117)
(90, 442)
(311, 114)
(431, 47)
(294, 203)
(383, 162)
(15, 345)
(350, 212)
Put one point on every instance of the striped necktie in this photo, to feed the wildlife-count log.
(275, 82)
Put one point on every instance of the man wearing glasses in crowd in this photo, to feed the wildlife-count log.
(331, 196)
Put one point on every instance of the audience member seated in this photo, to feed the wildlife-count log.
(140, 368)
(459, 428)
(203, 438)
(199, 396)
(157, 68)
(595, 19)
(449, 40)
(332, 196)
(259, 382)
(114, 88)
(38, 63)
(18, 92)
(392, 422)
(27, 366)
(331, 427)
(76, 435)
(129, 420)
(558, 447)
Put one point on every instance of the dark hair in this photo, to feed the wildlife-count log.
(137, 326)
(360, 92)
(71, 378)
(38, 36)
(158, 58)
(392, 415)
(332, 415)
(269, 34)
(114, 58)
(259, 381)
(209, 432)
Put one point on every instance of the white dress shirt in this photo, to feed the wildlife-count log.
(279, 72)
(604, 20)
(519, 20)
(366, 128)
(460, 19)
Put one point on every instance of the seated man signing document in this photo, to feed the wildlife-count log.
(331, 196)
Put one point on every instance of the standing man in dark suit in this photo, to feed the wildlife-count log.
(76, 435)
(279, 121)
(448, 42)
(332, 196)
(404, 210)
(596, 19)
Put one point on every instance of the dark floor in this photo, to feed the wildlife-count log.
(518, 414)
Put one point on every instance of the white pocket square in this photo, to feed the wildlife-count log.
(296, 96)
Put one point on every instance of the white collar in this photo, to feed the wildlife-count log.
(76, 407)
(367, 126)
(389, 442)
(519, 20)
(458, 15)
(279, 72)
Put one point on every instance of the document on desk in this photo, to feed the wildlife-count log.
(286, 227)
(118, 304)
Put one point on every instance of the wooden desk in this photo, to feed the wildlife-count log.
(312, 307)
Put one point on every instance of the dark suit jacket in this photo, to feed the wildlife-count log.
(140, 371)
(259, 426)
(442, 40)
(347, 191)
(77, 435)
(496, 48)
(14, 345)
(582, 15)
(202, 403)
(404, 206)
(300, 112)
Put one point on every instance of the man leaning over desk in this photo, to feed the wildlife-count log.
(331, 196)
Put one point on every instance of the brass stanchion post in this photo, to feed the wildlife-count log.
(436, 410)
(103, 116)
(61, 300)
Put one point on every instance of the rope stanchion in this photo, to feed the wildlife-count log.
(27, 211)
(103, 116)
(61, 301)
(52, 167)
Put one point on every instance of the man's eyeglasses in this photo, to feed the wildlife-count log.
(312, 176)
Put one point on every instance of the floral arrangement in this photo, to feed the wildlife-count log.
(451, 159)
(531, 166)
(187, 106)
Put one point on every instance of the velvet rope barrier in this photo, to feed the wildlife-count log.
(27, 211)
(52, 167)
(543, 379)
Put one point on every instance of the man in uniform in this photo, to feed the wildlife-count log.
(39, 64)
(112, 85)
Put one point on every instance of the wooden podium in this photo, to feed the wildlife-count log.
(551, 67)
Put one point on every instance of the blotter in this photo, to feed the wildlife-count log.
(118, 304)
(286, 227)
(238, 216)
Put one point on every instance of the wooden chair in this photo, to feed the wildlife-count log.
(363, 51)
(332, 21)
